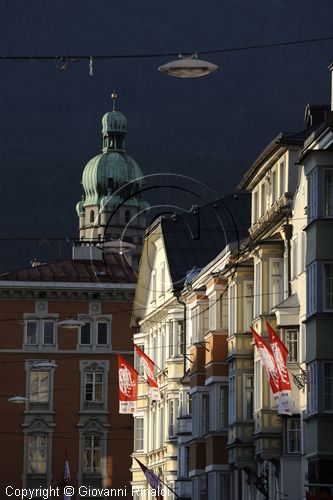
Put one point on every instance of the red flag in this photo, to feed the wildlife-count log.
(268, 361)
(152, 479)
(67, 477)
(128, 386)
(148, 368)
(280, 353)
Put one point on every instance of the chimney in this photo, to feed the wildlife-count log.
(35, 263)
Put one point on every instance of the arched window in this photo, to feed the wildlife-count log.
(92, 216)
(127, 216)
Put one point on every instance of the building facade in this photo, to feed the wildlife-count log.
(72, 399)
(68, 378)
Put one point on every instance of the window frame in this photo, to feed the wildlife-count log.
(93, 323)
(248, 390)
(276, 298)
(288, 432)
(94, 384)
(325, 201)
(138, 437)
(325, 393)
(39, 343)
(232, 410)
(325, 291)
(89, 471)
(37, 447)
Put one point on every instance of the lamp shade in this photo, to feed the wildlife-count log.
(18, 399)
(188, 67)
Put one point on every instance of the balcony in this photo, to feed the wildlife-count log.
(274, 213)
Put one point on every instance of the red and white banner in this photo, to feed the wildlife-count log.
(67, 477)
(153, 480)
(148, 368)
(280, 353)
(128, 386)
(268, 361)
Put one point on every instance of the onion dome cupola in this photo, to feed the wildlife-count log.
(113, 173)
(112, 206)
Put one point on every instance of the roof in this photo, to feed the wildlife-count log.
(114, 269)
(195, 238)
(283, 139)
(289, 303)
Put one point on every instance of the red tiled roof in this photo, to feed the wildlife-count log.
(114, 269)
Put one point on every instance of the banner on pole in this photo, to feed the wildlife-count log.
(280, 353)
(128, 386)
(148, 368)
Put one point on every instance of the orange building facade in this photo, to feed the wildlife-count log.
(72, 406)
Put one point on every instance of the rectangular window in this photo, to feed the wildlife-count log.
(92, 455)
(102, 333)
(195, 316)
(139, 423)
(39, 386)
(223, 407)
(257, 289)
(282, 177)
(224, 310)
(153, 286)
(232, 310)
(312, 388)
(312, 195)
(94, 387)
(162, 278)
(293, 441)
(170, 336)
(274, 186)
(31, 329)
(328, 192)
(180, 336)
(248, 306)
(248, 397)
(172, 417)
(263, 198)
(276, 267)
(85, 334)
(255, 207)
(328, 387)
(291, 343)
(257, 385)
(205, 414)
(232, 399)
(37, 454)
(212, 313)
(328, 286)
(311, 288)
(49, 327)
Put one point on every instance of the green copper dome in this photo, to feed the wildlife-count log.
(112, 170)
(114, 121)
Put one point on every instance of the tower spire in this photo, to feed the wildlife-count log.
(114, 97)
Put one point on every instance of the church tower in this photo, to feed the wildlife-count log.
(112, 207)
